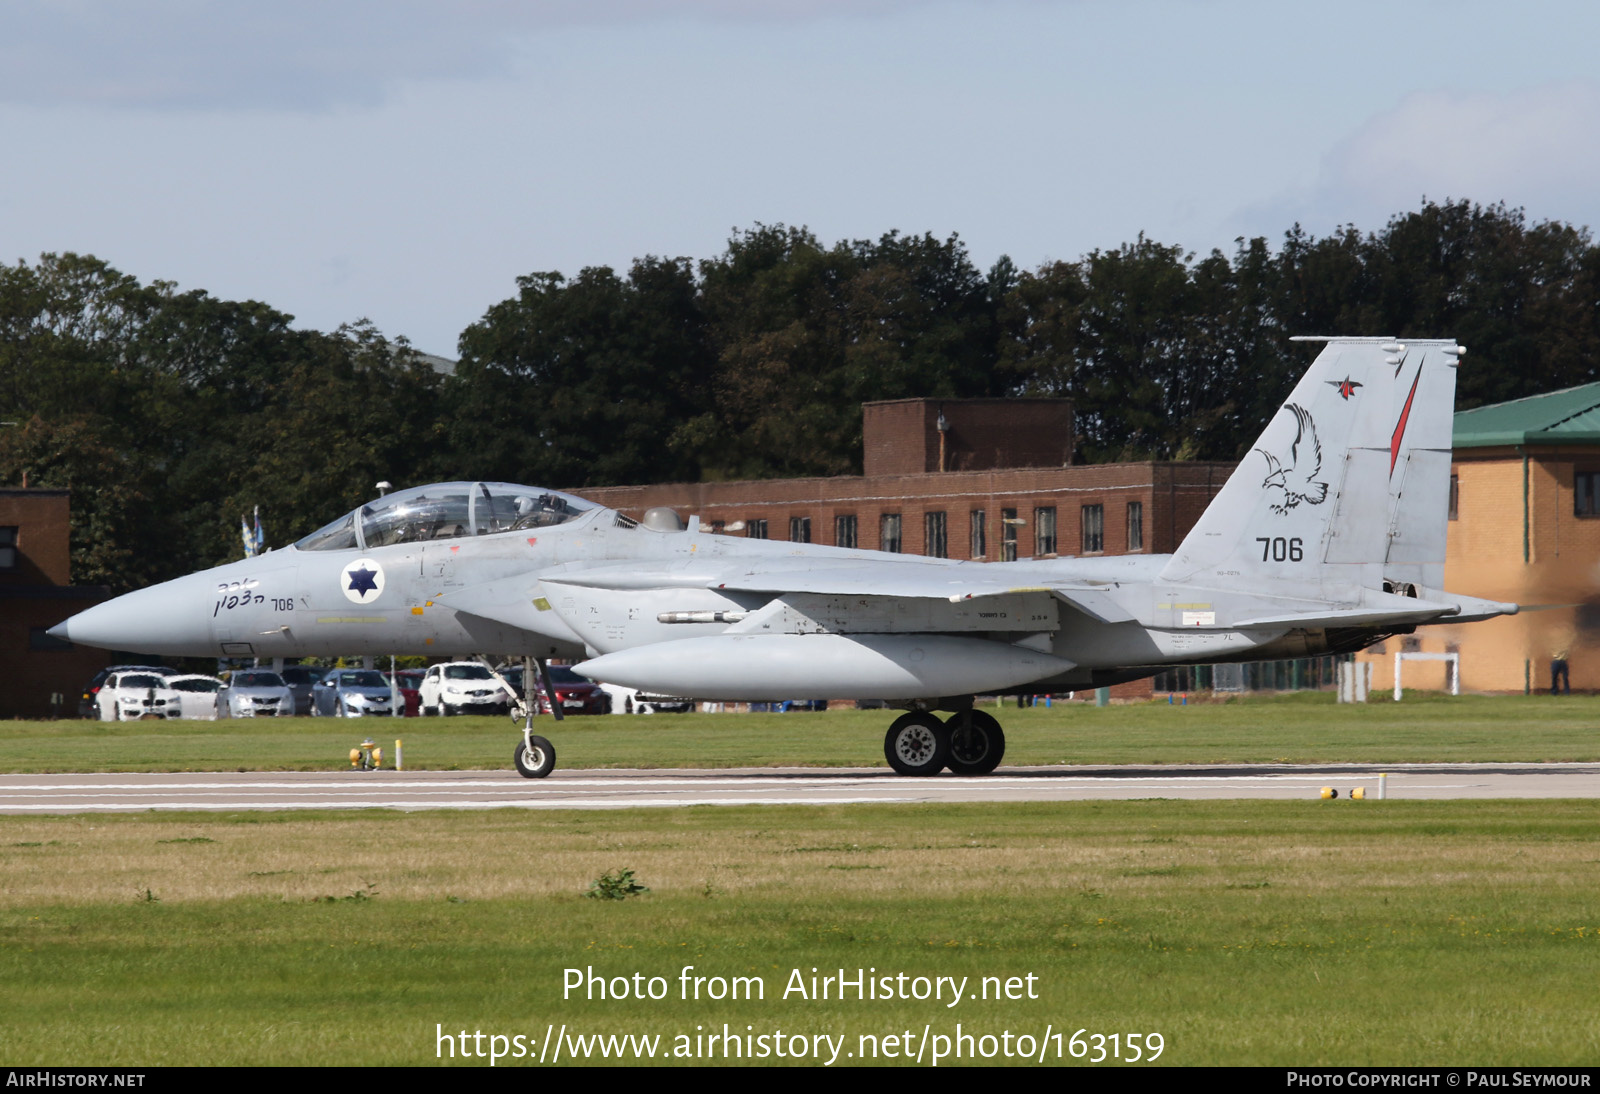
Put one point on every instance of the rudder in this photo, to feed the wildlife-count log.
(1347, 485)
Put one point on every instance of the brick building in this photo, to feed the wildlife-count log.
(1525, 527)
(35, 594)
(997, 500)
(1007, 492)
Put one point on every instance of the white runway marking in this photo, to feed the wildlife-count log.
(614, 789)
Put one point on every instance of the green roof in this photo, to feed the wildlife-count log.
(1570, 416)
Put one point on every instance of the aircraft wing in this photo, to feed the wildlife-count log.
(895, 580)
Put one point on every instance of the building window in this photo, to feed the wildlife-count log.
(1585, 486)
(1044, 531)
(980, 537)
(844, 531)
(935, 544)
(1008, 535)
(1136, 526)
(8, 547)
(799, 529)
(1094, 529)
(889, 532)
(1455, 497)
(755, 529)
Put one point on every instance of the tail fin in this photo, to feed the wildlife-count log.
(1348, 484)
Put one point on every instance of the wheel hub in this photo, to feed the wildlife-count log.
(915, 744)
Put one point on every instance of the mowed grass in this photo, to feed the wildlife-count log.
(1242, 932)
(1303, 728)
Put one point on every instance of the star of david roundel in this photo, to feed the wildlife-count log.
(362, 581)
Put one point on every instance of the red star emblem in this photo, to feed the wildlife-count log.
(1347, 387)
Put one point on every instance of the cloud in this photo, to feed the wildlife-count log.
(1532, 148)
(304, 55)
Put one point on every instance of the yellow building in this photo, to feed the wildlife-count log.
(1524, 526)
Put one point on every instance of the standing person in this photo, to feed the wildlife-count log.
(1560, 680)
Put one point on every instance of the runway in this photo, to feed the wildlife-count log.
(646, 789)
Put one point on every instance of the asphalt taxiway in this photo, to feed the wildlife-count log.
(634, 789)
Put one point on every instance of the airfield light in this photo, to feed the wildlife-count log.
(1358, 794)
(1328, 793)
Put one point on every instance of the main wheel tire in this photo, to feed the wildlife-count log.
(977, 743)
(534, 758)
(917, 744)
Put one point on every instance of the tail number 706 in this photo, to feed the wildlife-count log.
(1279, 549)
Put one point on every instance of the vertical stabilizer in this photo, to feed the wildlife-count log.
(1348, 484)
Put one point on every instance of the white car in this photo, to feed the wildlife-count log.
(463, 687)
(197, 696)
(255, 693)
(632, 701)
(131, 696)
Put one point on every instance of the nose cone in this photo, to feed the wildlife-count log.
(171, 618)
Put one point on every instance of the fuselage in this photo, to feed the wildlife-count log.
(597, 583)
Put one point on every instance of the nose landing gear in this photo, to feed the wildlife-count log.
(535, 757)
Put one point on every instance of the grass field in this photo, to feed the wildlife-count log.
(1304, 728)
(1241, 932)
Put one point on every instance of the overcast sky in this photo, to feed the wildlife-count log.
(404, 161)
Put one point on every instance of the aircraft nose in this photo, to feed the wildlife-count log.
(170, 618)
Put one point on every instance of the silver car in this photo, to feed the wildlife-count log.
(255, 693)
(353, 693)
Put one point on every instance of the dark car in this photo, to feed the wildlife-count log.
(409, 681)
(576, 694)
(86, 702)
(301, 679)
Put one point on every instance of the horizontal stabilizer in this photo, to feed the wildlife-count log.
(1401, 612)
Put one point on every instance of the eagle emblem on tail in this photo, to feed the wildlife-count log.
(1297, 478)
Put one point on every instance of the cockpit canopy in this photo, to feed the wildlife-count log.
(446, 510)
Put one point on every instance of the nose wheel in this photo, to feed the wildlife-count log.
(535, 757)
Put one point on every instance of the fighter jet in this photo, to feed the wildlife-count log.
(1329, 535)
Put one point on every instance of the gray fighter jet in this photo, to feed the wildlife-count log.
(1328, 536)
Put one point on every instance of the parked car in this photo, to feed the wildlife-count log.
(301, 679)
(135, 694)
(576, 694)
(463, 687)
(353, 693)
(632, 701)
(87, 708)
(255, 693)
(409, 682)
(197, 696)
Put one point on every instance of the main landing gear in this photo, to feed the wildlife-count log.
(969, 742)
